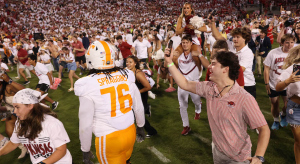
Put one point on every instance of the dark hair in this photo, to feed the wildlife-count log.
(136, 60)
(187, 37)
(119, 37)
(84, 34)
(244, 32)
(228, 59)
(1, 46)
(286, 37)
(64, 48)
(221, 44)
(139, 35)
(33, 57)
(108, 72)
(32, 126)
(107, 40)
(265, 31)
(51, 40)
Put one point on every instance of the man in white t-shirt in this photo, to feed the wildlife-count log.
(272, 70)
(239, 46)
(142, 47)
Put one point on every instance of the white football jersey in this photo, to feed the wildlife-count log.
(188, 67)
(112, 100)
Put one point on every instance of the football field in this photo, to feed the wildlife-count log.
(168, 146)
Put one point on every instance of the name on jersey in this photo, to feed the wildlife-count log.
(279, 60)
(186, 61)
(114, 79)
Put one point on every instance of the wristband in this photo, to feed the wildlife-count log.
(169, 65)
(10, 81)
(285, 83)
(267, 84)
(41, 162)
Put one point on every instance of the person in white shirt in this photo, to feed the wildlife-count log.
(142, 47)
(272, 70)
(290, 80)
(45, 79)
(128, 37)
(46, 133)
(46, 60)
(239, 46)
(67, 60)
(109, 117)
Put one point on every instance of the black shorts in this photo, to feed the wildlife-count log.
(276, 94)
(251, 90)
(80, 59)
(43, 87)
(143, 60)
(63, 63)
(5, 60)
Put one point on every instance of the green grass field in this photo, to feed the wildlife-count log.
(194, 148)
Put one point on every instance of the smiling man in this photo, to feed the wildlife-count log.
(230, 109)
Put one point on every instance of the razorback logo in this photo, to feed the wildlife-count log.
(231, 104)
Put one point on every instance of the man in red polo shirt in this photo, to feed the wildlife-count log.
(79, 51)
(125, 48)
(22, 57)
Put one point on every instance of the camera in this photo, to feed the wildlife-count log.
(212, 13)
(289, 22)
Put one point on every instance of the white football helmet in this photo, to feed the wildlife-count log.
(100, 55)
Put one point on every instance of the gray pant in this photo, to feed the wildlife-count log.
(221, 158)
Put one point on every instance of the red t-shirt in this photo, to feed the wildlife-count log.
(125, 49)
(78, 45)
(22, 53)
(240, 79)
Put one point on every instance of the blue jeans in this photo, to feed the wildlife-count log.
(55, 63)
(11, 59)
(293, 113)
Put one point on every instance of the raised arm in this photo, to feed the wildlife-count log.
(181, 81)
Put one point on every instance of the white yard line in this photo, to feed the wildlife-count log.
(203, 139)
(268, 113)
(159, 154)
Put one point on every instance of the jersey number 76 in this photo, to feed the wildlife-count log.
(121, 98)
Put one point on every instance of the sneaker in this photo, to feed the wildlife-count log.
(26, 82)
(54, 105)
(275, 126)
(170, 89)
(28, 77)
(197, 116)
(283, 122)
(71, 89)
(3, 142)
(17, 77)
(165, 80)
(151, 95)
(12, 68)
(23, 152)
(186, 130)
(80, 73)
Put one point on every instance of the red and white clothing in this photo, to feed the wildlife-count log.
(229, 117)
(51, 137)
(41, 72)
(190, 71)
(275, 60)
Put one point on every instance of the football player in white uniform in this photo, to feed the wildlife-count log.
(107, 96)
